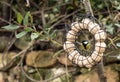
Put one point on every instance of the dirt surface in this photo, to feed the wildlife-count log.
(112, 76)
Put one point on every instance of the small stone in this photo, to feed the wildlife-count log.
(64, 60)
(3, 42)
(22, 43)
(4, 60)
(40, 59)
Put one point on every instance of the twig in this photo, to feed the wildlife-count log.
(57, 18)
(5, 53)
(88, 7)
(49, 8)
(100, 71)
(29, 46)
(9, 5)
(112, 42)
(108, 9)
(116, 17)
(5, 9)
(48, 80)
(67, 75)
(10, 11)
(14, 60)
(28, 3)
(43, 16)
(69, 71)
(63, 19)
(1, 19)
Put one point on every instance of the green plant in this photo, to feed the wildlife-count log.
(26, 24)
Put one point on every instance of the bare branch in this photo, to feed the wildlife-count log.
(88, 7)
(99, 67)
